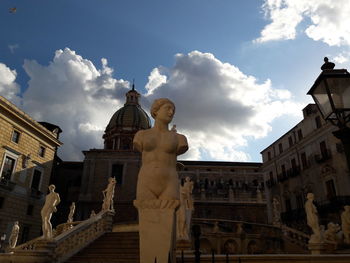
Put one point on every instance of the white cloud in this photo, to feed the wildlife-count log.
(218, 107)
(72, 93)
(341, 58)
(326, 20)
(8, 86)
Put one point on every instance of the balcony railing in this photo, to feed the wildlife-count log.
(321, 158)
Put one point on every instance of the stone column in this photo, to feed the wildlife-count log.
(157, 229)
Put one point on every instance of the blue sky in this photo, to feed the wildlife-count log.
(238, 71)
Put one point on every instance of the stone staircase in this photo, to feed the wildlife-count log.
(114, 247)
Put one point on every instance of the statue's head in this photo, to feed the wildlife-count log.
(187, 179)
(52, 187)
(310, 196)
(158, 103)
(111, 180)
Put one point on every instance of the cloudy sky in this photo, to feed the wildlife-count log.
(238, 71)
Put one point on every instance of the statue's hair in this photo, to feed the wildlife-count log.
(159, 103)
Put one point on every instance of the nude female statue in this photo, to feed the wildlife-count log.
(157, 177)
(312, 218)
(51, 201)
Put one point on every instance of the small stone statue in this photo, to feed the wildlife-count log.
(330, 235)
(187, 191)
(259, 198)
(345, 224)
(92, 214)
(276, 210)
(184, 212)
(312, 219)
(51, 201)
(71, 213)
(231, 195)
(216, 228)
(108, 195)
(14, 235)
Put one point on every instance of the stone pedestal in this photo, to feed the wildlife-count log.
(322, 248)
(157, 229)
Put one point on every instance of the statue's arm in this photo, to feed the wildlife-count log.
(137, 142)
(182, 145)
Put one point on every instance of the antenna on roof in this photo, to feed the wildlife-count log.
(133, 84)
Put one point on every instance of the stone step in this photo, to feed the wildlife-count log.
(116, 247)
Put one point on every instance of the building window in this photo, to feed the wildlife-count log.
(268, 156)
(290, 141)
(8, 168)
(280, 147)
(271, 176)
(324, 151)
(318, 122)
(36, 179)
(42, 150)
(15, 136)
(303, 160)
(30, 210)
(331, 193)
(300, 134)
(117, 173)
(294, 164)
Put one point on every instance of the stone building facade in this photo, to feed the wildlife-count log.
(27, 150)
(308, 158)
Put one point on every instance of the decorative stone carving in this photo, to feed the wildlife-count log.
(312, 219)
(71, 213)
(276, 212)
(51, 201)
(14, 235)
(108, 195)
(345, 224)
(157, 194)
(216, 228)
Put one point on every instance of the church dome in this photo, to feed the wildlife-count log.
(131, 116)
(125, 122)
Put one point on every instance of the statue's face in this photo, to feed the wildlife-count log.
(165, 113)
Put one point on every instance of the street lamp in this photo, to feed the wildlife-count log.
(331, 93)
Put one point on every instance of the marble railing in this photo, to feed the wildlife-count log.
(64, 245)
(295, 236)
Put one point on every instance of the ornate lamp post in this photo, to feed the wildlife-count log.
(331, 93)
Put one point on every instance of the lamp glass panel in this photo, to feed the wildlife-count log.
(321, 98)
(340, 92)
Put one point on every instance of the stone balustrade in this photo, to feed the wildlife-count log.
(62, 246)
(295, 236)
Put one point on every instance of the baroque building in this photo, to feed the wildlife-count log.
(308, 158)
(27, 150)
(222, 190)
